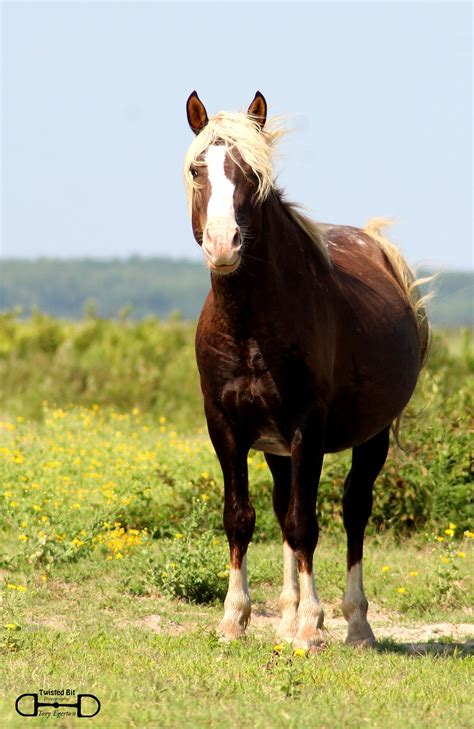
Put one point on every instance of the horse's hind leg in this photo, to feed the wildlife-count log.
(367, 461)
(280, 467)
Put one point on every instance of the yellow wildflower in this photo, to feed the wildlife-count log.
(278, 648)
(449, 532)
(413, 573)
(401, 590)
(461, 554)
(385, 568)
(7, 426)
(299, 652)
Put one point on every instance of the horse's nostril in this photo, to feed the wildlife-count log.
(236, 239)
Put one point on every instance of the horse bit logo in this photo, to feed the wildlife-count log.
(55, 704)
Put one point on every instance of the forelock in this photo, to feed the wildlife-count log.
(236, 130)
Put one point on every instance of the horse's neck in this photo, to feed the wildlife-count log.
(272, 263)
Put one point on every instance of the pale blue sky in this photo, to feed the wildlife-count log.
(94, 127)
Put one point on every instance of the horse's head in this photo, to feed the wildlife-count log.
(224, 178)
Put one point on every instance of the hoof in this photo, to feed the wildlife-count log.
(317, 648)
(362, 636)
(287, 630)
(228, 631)
(361, 643)
(311, 640)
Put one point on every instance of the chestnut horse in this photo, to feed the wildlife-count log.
(310, 341)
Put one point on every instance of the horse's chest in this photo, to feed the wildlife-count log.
(251, 397)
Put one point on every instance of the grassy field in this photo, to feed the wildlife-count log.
(153, 661)
(114, 563)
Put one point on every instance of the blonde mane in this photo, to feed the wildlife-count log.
(238, 130)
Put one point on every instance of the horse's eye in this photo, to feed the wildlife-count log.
(193, 172)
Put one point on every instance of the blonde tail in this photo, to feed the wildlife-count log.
(407, 280)
(409, 284)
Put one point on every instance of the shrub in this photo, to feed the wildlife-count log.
(194, 567)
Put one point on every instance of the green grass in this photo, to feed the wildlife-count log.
(108, 513)
(83, 628)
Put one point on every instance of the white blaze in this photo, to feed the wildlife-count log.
(221, 202)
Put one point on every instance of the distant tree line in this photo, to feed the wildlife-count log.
(139, 287)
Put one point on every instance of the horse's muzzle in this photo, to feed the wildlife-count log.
(222, 248)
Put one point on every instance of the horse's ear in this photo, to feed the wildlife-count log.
(258, 109)
(196, 111)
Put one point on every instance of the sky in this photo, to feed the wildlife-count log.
(93, 135)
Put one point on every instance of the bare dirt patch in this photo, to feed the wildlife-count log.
(54, 622)
(155, 624)
(414, 638)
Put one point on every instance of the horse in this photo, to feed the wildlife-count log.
(310, 341)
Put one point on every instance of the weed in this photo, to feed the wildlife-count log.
(195, 566)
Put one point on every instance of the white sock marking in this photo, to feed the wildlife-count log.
(354, 607)
(310, 613)
(290, 595)
(237, 601)
(354, 588)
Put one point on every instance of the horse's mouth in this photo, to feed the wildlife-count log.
(224, 269)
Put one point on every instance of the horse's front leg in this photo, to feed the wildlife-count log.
(239, 521)
(301, 528)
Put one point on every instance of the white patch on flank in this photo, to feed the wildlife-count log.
(290, 595)
(221, 202)
(236, 604)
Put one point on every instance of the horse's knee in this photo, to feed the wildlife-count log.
(302, 536)
(239, 523)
